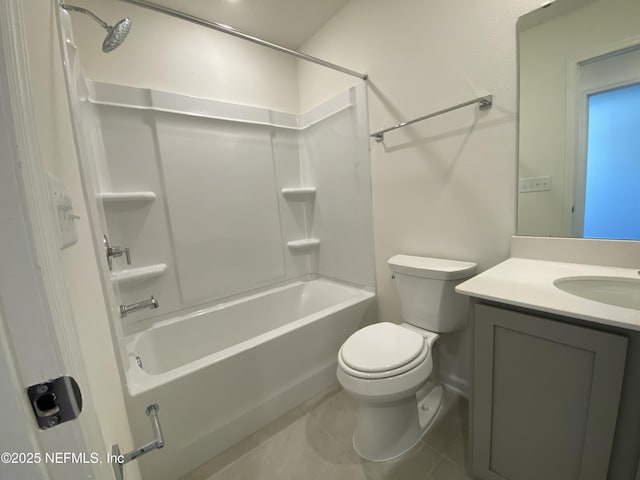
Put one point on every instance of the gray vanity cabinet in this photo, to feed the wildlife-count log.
(545, 397)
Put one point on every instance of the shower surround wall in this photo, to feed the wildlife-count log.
(221, 204)
(227, 217)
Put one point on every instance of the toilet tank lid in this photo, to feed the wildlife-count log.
(436, 268)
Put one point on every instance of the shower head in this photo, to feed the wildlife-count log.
(115, 35)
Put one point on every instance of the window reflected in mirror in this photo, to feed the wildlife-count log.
(579, 114)
(612, 184)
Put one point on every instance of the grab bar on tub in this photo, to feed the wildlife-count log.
(120, 459)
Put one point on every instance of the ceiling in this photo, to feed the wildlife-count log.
(286, 22)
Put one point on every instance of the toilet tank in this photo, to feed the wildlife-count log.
(427, 296)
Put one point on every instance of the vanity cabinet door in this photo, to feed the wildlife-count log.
(545, 397)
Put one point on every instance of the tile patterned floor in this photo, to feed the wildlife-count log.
(313, 442)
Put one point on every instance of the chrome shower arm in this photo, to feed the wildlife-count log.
(115, 35)
(73, 8)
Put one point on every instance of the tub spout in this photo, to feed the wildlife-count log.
(134, 307)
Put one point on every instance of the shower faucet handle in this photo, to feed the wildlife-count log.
(112, 252)
(119, 251)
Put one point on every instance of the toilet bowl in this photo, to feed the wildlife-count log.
(388, 368)
(396, 402)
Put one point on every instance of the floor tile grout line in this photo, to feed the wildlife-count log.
(321, 425)
(313, 413)
(455, 465)
(435, 465)
(440, 456)
(346, 452)
(451, 459)
(335, 440)
(257, 447)
(331, 437)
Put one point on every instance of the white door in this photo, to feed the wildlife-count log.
(606, 77)
(37, 341)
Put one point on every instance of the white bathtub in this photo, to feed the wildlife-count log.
(224, 372)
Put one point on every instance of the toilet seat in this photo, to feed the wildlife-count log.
(382, 350)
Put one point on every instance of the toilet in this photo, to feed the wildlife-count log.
(388, 367)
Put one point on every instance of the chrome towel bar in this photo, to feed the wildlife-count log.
(485, 103)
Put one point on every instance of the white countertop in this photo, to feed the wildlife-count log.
(528, 283)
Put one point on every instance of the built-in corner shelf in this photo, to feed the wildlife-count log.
(131, 275)
(305, 244)
(299, 193)
(124, 197)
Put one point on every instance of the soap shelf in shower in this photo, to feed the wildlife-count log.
(131, 275)
(299, 193)
(123, 197)
(304, 244)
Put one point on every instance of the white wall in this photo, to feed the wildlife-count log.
(547, 52)
(80, 269)
(444, 187)
(166, 53)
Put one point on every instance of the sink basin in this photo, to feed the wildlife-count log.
(622, 292)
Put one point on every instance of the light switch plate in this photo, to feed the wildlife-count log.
(65, 219)
(535, 184)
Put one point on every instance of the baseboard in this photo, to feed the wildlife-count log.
(456, 384)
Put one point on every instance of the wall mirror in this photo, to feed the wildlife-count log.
(579, 123)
